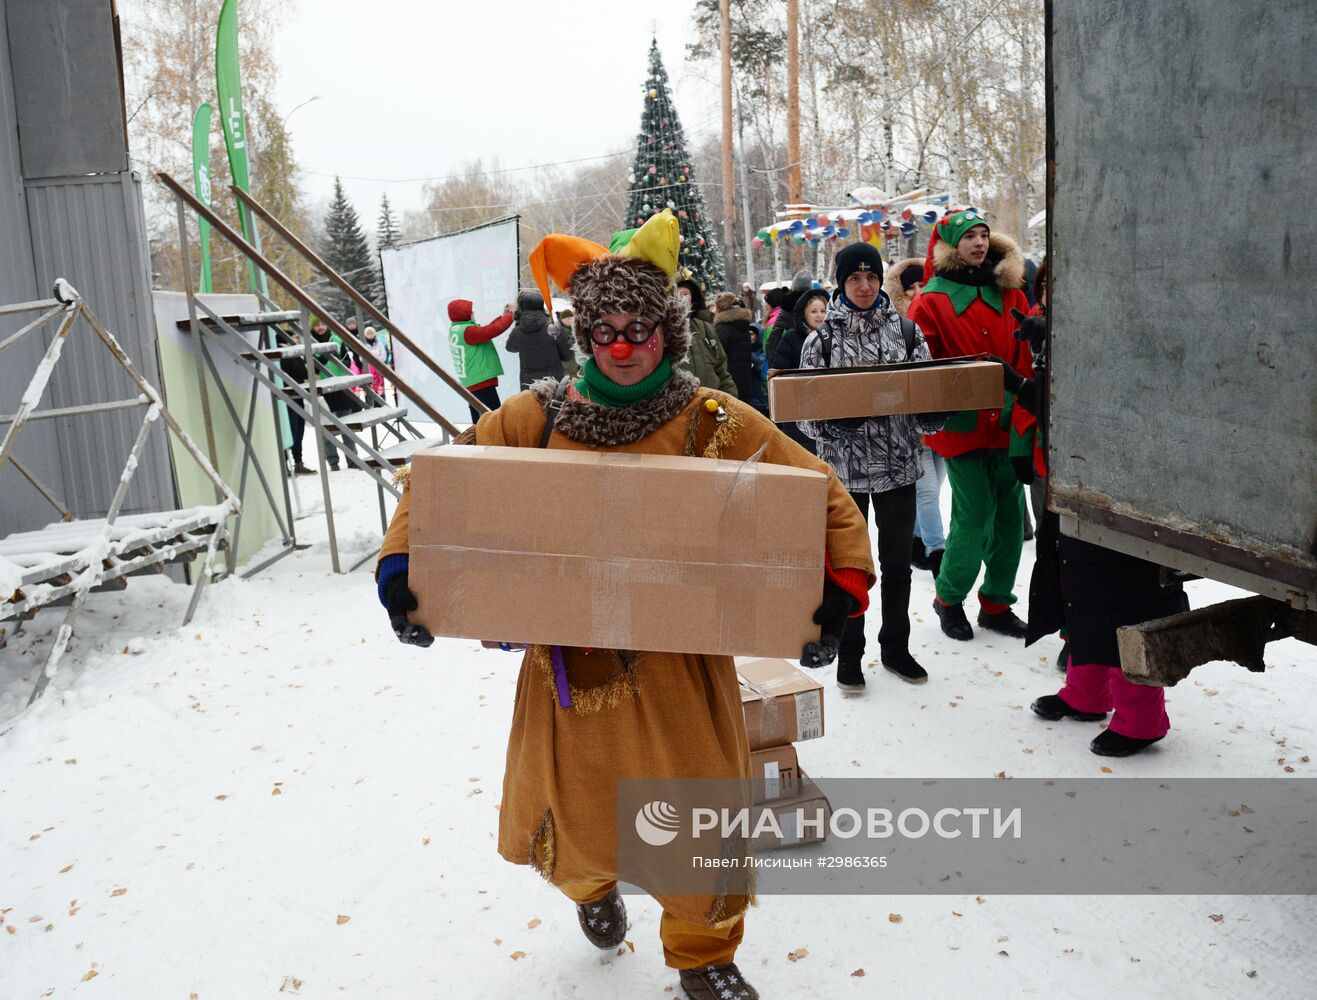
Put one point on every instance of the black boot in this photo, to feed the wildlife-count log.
(918, 556)
(1109, 744)
(850, 675)
(1063, 658)
(1053, 707)
(954, 623)
(717, 982)
(604, 920)
(1006, 622)
(935, 562)
(901, 663)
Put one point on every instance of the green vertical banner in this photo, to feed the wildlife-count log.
(201, 184)
(228, 85)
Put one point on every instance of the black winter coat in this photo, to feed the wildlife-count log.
(735, 337)
(787, 355)
(1091, 592)
(542, 354)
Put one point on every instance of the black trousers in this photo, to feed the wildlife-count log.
(489, 396)
(296, 426)
(894, 513)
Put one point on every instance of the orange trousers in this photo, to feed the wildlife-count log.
(686, 945)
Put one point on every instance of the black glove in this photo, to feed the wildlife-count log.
(1009, 376)
(831, 618)
(849, 423)
(1032, 329)
(398, 600)
(1024, 470)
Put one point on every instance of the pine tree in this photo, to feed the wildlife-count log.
(662, 176)
(347, 251)
(387, 234)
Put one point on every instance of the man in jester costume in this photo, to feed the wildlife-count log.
(973, 279)
(585, 718)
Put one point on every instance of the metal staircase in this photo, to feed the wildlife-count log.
(373, 438)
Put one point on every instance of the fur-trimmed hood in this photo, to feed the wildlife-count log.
(1009, 268)
(728, 309)
(899, 297)
(627, 285)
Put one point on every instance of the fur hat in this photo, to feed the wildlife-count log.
(728, 309)
(615, 284)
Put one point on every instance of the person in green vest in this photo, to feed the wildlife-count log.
(475, 358)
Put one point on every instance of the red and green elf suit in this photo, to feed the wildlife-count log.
(962, 318)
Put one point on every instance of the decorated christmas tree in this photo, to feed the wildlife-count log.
(662, 177)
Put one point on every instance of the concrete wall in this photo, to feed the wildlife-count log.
(1184, 265)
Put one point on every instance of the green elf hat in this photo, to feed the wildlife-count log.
(957, 224)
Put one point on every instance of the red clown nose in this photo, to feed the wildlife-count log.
(621, 350)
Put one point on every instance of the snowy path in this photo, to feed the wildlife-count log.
(196, 814)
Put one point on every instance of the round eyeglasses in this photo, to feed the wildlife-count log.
(635, 332)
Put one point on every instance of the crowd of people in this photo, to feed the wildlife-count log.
(657, 372)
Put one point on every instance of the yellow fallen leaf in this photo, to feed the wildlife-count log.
(894, 918)
(90, 974)
(343, 919)
(35, 920)
(118, 892)
(797, 955)
(535, 922)
(48, 928)
(220, 798)
(276, 791)
(631, 945)
(425, 841)
(858, 973)
(1106, 770)
(979, 899)
(517, 956)
(498, 941)
(11, 928)
(1217, 917)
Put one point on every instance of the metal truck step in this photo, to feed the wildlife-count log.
(340, 382)
(287, 352)
(401, 453)
(367, 418)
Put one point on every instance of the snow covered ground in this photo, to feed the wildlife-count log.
(280, 797)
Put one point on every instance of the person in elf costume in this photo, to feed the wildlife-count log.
(973, 278)
(1087, 592)
(585, 718)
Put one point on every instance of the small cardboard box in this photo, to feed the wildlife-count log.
(918, 387)
(776, 773)
(781, 703)
(802, 819)
(617, 550)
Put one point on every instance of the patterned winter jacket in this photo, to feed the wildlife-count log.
(883, 453)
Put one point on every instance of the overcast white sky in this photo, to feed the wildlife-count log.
(415, 89)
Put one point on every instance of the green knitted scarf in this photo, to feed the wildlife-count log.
(599, 388)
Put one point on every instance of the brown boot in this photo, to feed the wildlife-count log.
(604, 920)
(717, 982)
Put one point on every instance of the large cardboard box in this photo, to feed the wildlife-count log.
(776, 773)
(782, 704)
(916, 387)
(802, 819)
(615, 550)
